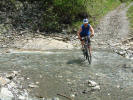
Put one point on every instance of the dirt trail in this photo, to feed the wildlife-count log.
(113, 28)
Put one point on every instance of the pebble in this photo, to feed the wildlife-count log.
(4, 81)
(55, 98)
(92, 83)
(118, 86)
(22, 97)
(12, 75)
(37, 82)
(96, 87)
(108, 93)
(33, 86)
(72, 95)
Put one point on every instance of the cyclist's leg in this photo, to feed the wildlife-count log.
(82, 41)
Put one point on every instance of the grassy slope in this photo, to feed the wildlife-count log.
(130, 17)
(97, 9)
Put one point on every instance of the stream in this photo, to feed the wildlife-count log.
(66, 72)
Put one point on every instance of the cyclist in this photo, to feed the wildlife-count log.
(86, 30)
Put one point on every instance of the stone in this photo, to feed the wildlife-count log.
(15, 72)
(55, 98)
(84, 92)
(108, 93)
(6, 93)
(11, 75)
(92, 83)
(12, 84)
(22, 97)
(4, 81)
(96, 87)
(72, 96)
(118, 86)
(33, 86)
(37, 82)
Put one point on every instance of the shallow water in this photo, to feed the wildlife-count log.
(65, 71)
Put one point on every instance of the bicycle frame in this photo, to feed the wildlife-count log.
(85, 46)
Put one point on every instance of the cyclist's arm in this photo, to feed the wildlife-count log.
(92, 31)
(78, 33)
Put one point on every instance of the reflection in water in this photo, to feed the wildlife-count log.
(79, 61)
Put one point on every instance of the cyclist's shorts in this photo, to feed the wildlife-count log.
(89, 41)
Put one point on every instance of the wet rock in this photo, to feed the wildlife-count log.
(6, 93)
(37, 82)
(122, 53)
(4, 81)
(15, 72)
(96, 87)
(108, 93)
(72, 95)
(125, 66)
(22, 97)
(92, 83)
(11, 75)
(84, 92)
(129, 54)
(33, 86)
(12, 84)
(40, 96)
(118, 86)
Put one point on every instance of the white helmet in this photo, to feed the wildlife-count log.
(85, 21)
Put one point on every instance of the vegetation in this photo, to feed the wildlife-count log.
(54, 15)
(130, 16)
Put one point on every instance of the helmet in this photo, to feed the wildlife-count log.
(85, 21)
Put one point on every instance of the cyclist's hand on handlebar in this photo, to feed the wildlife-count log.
(91, 35)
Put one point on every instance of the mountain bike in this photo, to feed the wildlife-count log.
(85, 49)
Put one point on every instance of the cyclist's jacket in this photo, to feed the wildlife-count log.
(85, 30)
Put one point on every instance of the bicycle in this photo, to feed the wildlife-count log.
(85, 49)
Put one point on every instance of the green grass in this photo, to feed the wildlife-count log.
(130, 17)
(128, 2)
(97, 9)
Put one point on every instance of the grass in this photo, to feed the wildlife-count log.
(130, 17)
(97, 9)
(128, 2)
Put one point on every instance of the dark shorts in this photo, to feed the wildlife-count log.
(89, 41)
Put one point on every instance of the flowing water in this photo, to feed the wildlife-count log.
(66, 72)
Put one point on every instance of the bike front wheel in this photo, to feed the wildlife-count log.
(89, 58)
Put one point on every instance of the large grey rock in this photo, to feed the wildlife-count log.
(6, 93)
(4, 81)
